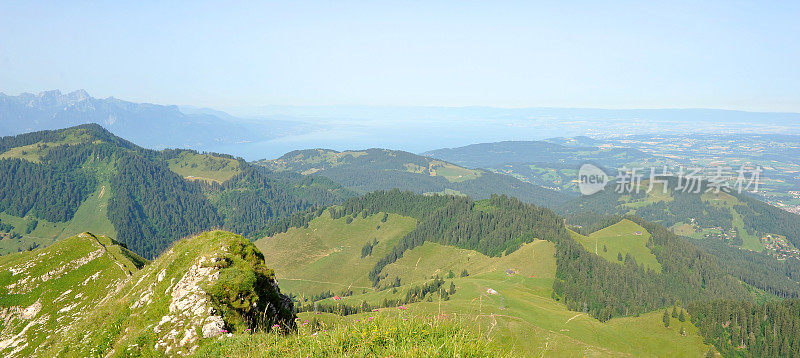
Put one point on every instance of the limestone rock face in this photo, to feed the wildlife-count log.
(31, 310)
(213, 327)
(189, 308)
(51, 290)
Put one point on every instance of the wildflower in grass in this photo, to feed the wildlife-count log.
(402, 308)
(275, 326)
(375, 310)
(223, 331)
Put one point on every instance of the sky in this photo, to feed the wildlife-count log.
(615, 54)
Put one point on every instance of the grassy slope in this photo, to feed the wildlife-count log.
(35, 152)
(532, 260)
(45, 234)
(620, 239)
(96, 302)
(452, 172)
(522, 317)
(90, 216)
(749, 241)
(384, 336)
(311, 260)
(123, 324)
(61, 279)
(204, 167)
(723, 200)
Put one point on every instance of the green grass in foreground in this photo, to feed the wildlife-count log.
(381, 336)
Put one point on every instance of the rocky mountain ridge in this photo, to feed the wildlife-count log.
(84, 296)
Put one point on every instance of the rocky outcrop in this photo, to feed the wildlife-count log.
(226, 290)
(190, 308)
(201, 288)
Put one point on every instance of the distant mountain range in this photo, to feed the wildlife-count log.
(148, 125)
(269, 131)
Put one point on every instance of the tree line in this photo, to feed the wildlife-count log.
(584, 281)
(748, 329)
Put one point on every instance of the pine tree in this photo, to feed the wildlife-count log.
(619, 256)
(674, 312)
(682, 317)
(666, 318)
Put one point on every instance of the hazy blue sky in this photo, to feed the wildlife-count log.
(719, 54)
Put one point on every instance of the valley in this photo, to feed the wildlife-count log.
(508, 298)
(591, 276)
(360, 179)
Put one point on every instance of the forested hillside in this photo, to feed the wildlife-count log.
(57, 182)
(522, 262)
(747, 329)
(584, 281)
(381, 169)
(737, 219)
(352, 255)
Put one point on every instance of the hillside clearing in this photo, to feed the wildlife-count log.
(625, 237)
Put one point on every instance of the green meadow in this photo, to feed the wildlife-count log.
(625, 237)
(327, 254)
(204, 167)
(507, 300)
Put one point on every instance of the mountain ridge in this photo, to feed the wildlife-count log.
(86, 307)
(85, 177)
(150, 125)
(383, 169)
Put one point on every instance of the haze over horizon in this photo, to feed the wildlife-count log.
(738, 56)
